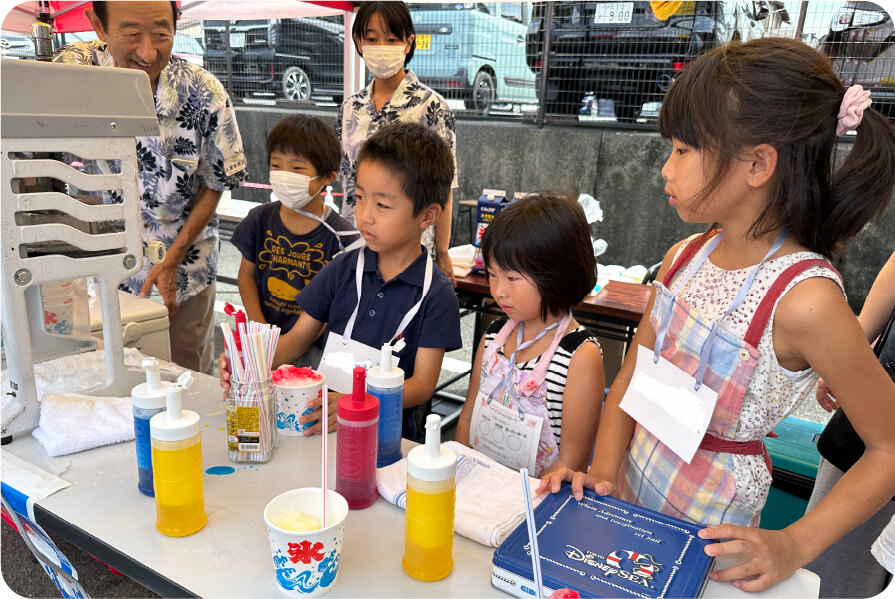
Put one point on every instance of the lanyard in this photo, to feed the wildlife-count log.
(511, 364)
(427, 282)
(701, 257)
(326, 225)
(338, 234)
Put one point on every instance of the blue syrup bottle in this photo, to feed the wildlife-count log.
(386, 383)
(149, 400)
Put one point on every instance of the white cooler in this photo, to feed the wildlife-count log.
(144, 324)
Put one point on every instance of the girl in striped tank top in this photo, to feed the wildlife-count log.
(746, 316)
(536, 388)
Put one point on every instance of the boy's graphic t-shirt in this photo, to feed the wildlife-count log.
(285, 262)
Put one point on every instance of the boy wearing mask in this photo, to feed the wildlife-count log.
(285, 242)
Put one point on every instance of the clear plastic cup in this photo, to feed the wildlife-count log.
(306, 564)
(292, 404)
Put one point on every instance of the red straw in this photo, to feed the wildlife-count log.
(323, 433)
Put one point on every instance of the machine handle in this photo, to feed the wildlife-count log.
(155, 251)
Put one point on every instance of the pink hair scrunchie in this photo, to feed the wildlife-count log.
(855, 101)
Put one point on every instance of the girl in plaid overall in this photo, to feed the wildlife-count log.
(704, 490)
(754, 130)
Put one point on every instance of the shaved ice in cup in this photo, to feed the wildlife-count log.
(306, 563)
(295, 387)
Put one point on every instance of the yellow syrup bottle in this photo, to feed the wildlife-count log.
(177, 466)
(429, 518)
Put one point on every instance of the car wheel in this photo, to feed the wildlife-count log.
(296, 85)
(483, 93)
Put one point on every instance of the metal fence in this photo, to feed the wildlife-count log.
(606, 63)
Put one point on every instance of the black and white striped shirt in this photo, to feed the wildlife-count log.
(557, 371)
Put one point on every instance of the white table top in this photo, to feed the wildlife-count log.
(230, 556)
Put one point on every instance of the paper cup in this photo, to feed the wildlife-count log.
(59, 316)
(306, 564)
(292, 404)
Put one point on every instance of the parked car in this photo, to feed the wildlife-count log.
(15, 45)
(861, 44)
(619, 50)
(290, 58)
(474, 51)
(185, 46)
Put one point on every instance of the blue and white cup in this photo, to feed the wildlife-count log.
(292, 404)
(306, 564)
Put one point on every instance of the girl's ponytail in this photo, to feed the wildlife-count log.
(862, 186)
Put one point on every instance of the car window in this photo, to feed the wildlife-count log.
(512, 11)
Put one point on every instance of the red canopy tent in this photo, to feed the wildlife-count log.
(68, 17)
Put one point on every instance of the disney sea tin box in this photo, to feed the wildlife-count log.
(604, 547)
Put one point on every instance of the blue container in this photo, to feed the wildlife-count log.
(144, 448)
(386, 383)
(391, 402)
(149, 400)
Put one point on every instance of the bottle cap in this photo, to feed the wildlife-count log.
(386, 375)
(360, 406)
(432, 462)
(151, 394)
(175, 423)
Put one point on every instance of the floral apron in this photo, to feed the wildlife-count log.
(703, 491)
(519, 395)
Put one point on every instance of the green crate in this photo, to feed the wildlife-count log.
(795, 457)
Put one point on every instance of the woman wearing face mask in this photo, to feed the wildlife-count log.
(384, 37)
(285, 242)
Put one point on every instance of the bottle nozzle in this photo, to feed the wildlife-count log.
(359, 387)
(385, 358)
(174, 402)
(174, 395)
(433, 435)
(153, 378)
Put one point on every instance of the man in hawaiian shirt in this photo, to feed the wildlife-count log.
(182, 172)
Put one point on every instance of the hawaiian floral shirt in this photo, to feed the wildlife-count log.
(358, 119)
(199, 145)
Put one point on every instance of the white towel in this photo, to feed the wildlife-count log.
(883, 549)
(489, 502)
(71, 423)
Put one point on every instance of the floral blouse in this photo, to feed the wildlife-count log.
(199, 145)
(358, 119)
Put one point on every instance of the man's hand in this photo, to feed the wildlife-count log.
(164, 277)
(443, 260)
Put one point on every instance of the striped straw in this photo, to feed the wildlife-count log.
(323, 433)
(532, 535)
(251, 380)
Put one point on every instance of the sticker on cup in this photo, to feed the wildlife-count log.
(305, 562)
(295, 387)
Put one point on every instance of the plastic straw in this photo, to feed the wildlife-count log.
(323, 433)
(251, 374)
(532, 535)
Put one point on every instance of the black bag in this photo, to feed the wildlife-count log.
(839, 444)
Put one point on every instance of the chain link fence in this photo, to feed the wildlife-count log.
(613, 61)
(606, 63)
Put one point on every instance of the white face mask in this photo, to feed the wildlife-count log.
(384, 61)
(291, 188)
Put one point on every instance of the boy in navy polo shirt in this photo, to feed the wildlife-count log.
(404, 176)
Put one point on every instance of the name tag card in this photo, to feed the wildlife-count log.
(663, 399)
